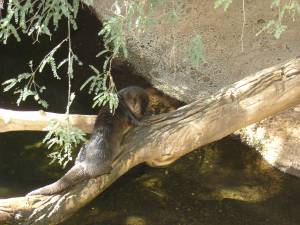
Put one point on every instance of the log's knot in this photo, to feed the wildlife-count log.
(289, 71)
(6, 119)
(233, 93)
(162, 161)
(42, 113)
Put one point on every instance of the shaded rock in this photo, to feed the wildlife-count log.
(160, 55)
(277, 139)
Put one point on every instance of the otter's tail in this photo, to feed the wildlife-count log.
(73, 176)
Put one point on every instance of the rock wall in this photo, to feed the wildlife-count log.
(160, 55)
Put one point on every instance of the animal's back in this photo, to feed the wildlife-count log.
(95, 157)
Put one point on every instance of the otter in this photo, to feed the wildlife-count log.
(95, 157)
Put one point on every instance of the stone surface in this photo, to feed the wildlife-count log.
(160, 56)
(277, 139)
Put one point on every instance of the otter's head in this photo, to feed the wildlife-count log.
(135, 100)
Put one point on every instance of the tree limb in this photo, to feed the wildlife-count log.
(170, 136)
(39, 120)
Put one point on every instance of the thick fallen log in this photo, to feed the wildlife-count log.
(170, 136)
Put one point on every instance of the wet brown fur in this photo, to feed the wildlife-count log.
(96, 156)
(161, 103)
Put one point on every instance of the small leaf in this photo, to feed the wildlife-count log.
(10, 86)
(90, 79)
(102, 52)
(13, 80)
(24, 76)
(225, 3)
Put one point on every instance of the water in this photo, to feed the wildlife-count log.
(223, 183)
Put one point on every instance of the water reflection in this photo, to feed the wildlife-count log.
(222, 183)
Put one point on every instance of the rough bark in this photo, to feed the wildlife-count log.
(170, 136)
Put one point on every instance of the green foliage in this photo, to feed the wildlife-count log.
(224, 3)
(136, 17)
(115, 28)
(25, 84)
(36, 17)
(172, 16)
(275, 27)
(107, 96)
(114, 35)
(64, 138)
(128, 16)
(195, 52)
(156, 3)
(31, 87)
(103, 93)
(101, 83)
(292, 7)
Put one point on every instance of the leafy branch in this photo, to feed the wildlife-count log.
(195, 52)
(127, 16)
(37, 17)
(276, 27)
(34, 17)
(224, 3)
(31, 87)
(63, 138)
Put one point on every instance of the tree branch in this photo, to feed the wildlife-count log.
(39, 120)
(170, 136)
